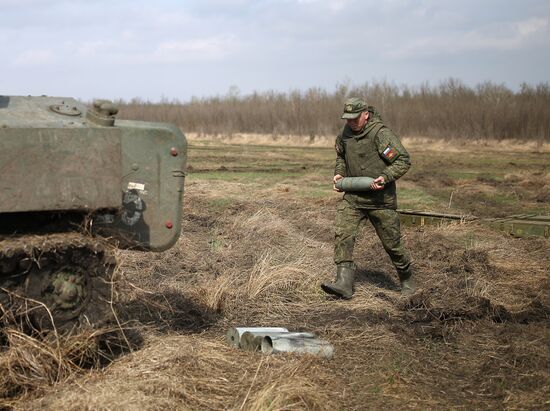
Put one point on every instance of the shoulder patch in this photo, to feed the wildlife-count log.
(389, 152)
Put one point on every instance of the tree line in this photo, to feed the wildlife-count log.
(449, 109)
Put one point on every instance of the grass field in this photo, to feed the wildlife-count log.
(256, 244)
(481, 180)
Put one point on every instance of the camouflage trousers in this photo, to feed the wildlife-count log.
(387, 226)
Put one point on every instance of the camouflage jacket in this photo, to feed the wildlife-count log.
(374, 151)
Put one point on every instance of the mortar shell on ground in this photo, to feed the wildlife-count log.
(252, 340)
(234, 334)
(284, 343)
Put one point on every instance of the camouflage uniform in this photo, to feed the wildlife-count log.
(374, 151)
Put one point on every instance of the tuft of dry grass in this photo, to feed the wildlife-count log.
(34, 362)
(293, 394)
(197, 372)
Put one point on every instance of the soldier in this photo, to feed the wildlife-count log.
(367, 148)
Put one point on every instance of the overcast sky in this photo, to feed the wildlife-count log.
(179, 49)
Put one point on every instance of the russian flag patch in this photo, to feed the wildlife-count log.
(389, 152)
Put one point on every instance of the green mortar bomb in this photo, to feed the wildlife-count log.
(354, 184)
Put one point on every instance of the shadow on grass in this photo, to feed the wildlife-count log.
(172, 310)
(377, 278)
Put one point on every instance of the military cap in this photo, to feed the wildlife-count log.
(353, 107)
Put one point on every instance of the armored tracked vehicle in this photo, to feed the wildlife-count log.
(74, 182)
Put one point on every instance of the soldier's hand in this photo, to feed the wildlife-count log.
(334, 180)
(378, 183)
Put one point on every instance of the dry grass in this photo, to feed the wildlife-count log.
(33, 363)
(265, 139)
(193, 372)
(475, 336)
(411, 142)
(457, 146)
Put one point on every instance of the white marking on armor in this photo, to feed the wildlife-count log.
(136, 186)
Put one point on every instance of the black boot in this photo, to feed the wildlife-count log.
(408, 285)
(343, 284)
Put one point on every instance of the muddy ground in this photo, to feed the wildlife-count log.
(257, 242)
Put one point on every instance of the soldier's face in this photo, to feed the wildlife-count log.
(357, 124)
